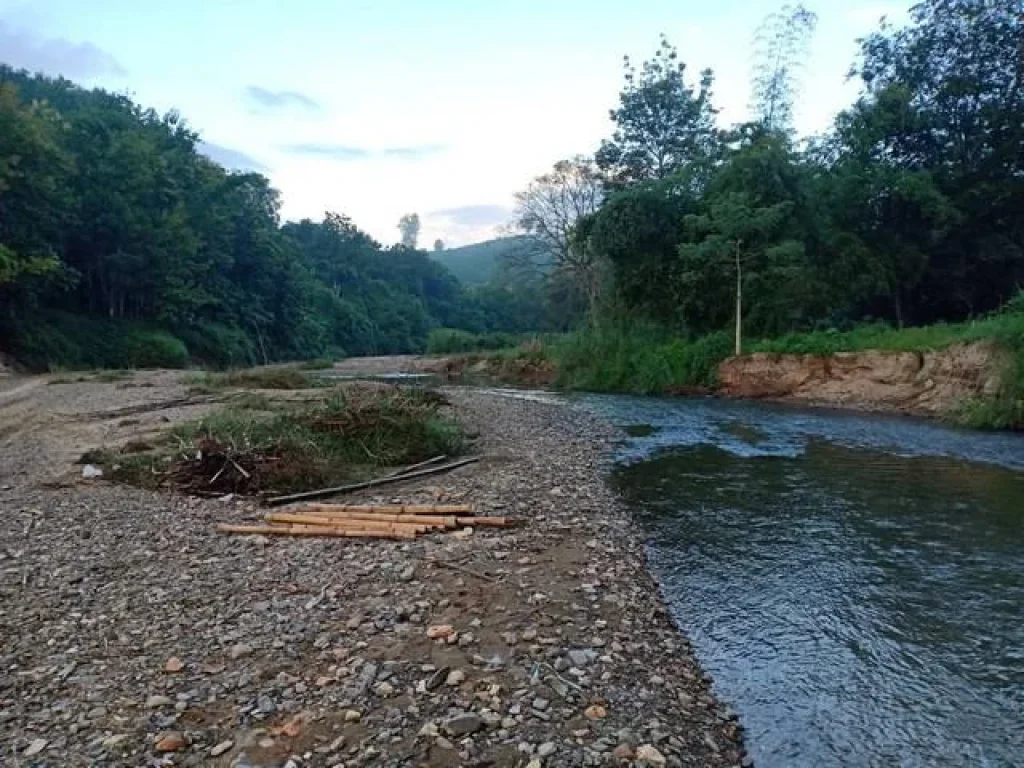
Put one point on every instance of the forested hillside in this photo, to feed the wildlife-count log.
(121, 245)
(481, 263)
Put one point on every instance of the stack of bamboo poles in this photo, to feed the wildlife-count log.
(389, 521)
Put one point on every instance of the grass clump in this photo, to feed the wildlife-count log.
(261, 446)
(258, 378)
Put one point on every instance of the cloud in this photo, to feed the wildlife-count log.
(474, 215)
(345, 152)
(467, 223)
(231, 159)
(54, 56)
(280, 99)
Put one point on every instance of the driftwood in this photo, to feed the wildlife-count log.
(275, 501)
(312, 530)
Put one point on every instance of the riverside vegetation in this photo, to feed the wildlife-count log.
(678, 242)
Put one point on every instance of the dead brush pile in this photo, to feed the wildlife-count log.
(258, 445)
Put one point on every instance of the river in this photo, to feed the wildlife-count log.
(854, 584)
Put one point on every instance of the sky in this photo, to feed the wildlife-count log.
(441, 107)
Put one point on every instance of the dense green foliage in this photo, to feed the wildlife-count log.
(122, 245)
(911, 211)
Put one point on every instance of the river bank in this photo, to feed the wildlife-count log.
(134, 634)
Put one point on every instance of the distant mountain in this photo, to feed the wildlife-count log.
(476, 264)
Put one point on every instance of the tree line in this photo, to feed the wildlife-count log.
(122, 245)
(909, 211)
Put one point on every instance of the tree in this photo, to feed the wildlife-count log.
(409, 226)
(438, 245)
(662, 124)
(549, 211)
(945, 96)
(780, 47)
(737, 237)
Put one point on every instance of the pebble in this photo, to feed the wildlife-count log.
(33, 749)
(221, 748)
(240, 650)
(546, 748)
(171, 741)
(650, 757)
(156, 701)
(462, 725)
(455, 677)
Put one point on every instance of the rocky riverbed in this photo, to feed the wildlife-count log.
(133, 634)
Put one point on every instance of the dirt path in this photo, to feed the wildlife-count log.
(129, 627)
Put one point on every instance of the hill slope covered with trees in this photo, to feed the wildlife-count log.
(122, 245)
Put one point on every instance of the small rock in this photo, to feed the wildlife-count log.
(33, 749)
(156, 701)
(174, 664)
(546, 748)
(384, 690)
(595, 712)
(455, 677)
(540, 704)
(353, 716)
(581, 657)
(435, 680)
(462, 725)
(408, 574)
(240, 650)
(221, 748)
(117, 740)
(429, 731)
(529, 634)
(89, 471)
(440, 631)
(623, 752)
(650, 757)
(266, 705)
(171, 741)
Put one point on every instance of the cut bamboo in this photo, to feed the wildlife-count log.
(486, 522)
(419, 525)
(447, 521)
(311, 530)
(393, 509)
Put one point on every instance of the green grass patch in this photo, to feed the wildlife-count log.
(257, 445)
(638, 359)
(449, 341)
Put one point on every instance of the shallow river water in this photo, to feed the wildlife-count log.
(854, 584)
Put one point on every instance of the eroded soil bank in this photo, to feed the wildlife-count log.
(920, 383)
(131, 633)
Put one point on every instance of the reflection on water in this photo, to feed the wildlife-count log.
(854, 584)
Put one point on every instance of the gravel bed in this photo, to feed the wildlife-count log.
(133, 634)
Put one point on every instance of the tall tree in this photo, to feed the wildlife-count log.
(739, 239)
(550, 209)
(662, 123)
(781, 45)
(409, 226)
(438, 245)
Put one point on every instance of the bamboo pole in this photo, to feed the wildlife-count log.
(275, 501)
(486, 522)
(420, 525)
(393, 509)
(447, 521)
(414, 467)
(311, 530)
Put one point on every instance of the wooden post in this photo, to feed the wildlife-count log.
(739, 300)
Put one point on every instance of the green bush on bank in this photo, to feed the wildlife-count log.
(446, 341)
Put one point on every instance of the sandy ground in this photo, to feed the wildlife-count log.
(133, 634)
